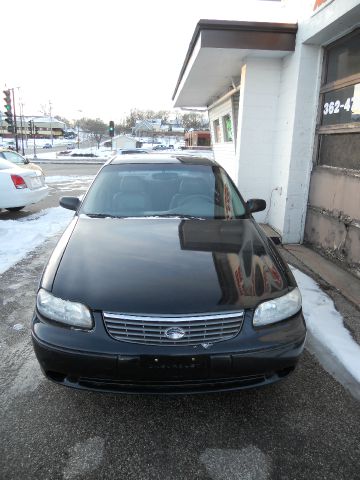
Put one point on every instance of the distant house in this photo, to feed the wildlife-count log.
(157, 126)
(124, 141)
(46, 127)
(145, 127)
(198, 138)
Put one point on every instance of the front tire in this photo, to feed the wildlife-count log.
(15, 209)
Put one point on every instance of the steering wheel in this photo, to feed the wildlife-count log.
(197, 196)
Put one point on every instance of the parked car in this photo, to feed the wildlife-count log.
(160, 147)
(164, 282)
(47, 145)
(20, 186)
(70, 135)
(19, 160)
(129, 151)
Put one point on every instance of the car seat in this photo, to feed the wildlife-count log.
(132, 198)
(189, 187)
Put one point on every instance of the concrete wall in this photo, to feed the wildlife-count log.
(259, 92)
(276, 124)
(333, 215)
(333, 219)
(308, 65)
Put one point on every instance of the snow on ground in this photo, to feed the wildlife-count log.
(19, 237)
(100, 154)
(68, 183)
(73, 179)
(325, 323)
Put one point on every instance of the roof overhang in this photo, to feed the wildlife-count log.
(217, 51)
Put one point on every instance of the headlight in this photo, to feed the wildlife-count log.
(277, 309)
(63, 311)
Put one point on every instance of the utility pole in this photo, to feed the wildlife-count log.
(78, 130)
(32, 131)
(21, 123)
(26, 134)
(51, 132)
(15, 125)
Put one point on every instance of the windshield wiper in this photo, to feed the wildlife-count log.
(180, 215)
(101, 215)
(165, 215)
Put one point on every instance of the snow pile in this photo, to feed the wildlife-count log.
(325, 323)
(19, 237)
(70, 182)
(69, 178)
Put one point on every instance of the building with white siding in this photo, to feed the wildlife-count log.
(283, 100)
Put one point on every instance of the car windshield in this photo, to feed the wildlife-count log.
(163, 190)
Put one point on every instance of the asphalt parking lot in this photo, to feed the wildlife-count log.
(304, 428)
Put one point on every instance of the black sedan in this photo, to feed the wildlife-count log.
(164, 283)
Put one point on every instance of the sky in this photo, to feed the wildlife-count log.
(101, 59)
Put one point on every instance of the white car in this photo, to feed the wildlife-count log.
(18, 159)
(20, 186)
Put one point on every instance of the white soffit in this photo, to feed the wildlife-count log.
(210, 73)
(217, 51)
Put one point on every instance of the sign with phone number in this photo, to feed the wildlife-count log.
(341, 106)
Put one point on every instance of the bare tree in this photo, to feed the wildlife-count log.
(44, 110)
(135, 114)
(62, 119)
(194, 121)
(95, 128)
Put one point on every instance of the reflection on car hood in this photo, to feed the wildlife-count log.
(168, 266)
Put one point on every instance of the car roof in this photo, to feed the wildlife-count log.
(5, 164)
(158, 159)
(4, 149)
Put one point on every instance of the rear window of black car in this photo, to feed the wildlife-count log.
(166, 190)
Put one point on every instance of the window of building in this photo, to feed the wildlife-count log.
(228, 130)
(217, 131)
(341, 105)
(339, 117)
(343, 59)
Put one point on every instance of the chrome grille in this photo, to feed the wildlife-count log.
(153, 330)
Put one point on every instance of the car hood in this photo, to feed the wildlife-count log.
(168, 266)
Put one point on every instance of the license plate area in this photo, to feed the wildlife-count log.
(35, 182)
(177, 366)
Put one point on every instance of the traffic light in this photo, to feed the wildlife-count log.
(30, 127)
(111, 128)
(8, 112)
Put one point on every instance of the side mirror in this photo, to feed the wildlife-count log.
(256, 205)
(71, 203)
(26, 161)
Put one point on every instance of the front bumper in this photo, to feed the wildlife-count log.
(94, 361)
